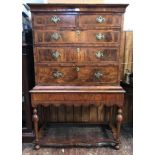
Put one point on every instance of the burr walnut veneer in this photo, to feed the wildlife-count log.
(77, 57)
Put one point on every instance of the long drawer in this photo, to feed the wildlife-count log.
(76, 54)
(78, 98)
(76, 75)
(78, 36)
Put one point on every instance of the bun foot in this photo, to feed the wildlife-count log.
(117, 147)
(37, 147)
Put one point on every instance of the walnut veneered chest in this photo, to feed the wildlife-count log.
(77, 56)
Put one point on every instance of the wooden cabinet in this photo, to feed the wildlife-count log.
(77, 58)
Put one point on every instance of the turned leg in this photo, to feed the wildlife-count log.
(119, 119)
(35, 121)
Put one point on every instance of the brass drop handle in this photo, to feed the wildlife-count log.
(57, 74)
(78, 32)
(100, 19)
(77, 69)
(100, 36)
(55, 55)
(55, 36)
(99, 54)
(98, 75)
(78, 50)
(55, 19)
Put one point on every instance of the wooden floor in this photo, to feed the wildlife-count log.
(126, 148)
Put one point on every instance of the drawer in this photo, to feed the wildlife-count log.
(61, 36)
(47, 75)
(78, 75)
(82, 98)
(102, 74)
(76, 54)
(57, 54)
(55, 20)
(99, 20)
(97, 54)
(71, 36)
(99, 36)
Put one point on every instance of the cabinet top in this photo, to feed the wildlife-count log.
(77, 7)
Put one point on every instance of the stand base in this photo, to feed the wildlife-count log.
(77, 135)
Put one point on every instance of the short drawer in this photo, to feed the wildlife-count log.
(47, 75)
(99, 36)
(100, 20)
(56, 54)
(97, 54)
(55, 20)
(76, 54)
(79, 36)
(100, 75)
(54, 36)
(76, 75)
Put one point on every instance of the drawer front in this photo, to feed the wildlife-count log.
(61, 36)
(76, 54)
(83, 36)
(57, 54)
(78, 75)
(55, 20)
(56, 75)
(103, 74)
(97, 54)
(98, 36)
(77, 99)
(99, 20)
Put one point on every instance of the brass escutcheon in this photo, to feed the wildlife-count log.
(100, 19)
(57, 74)
(98, 75)
(77, 69)
(78, 32)
(55, 19)
(100, 36)
(55, 55)
(55, 36)
(99, 54)
(78, 50)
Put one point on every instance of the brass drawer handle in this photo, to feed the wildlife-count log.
(78, 50)
(100, 19)
(78, 32)
(100, 36)
(99, 54)
(55, 19)
(98, 75)
(57, 74)
(77, 69)
(55, 55)
(55, 36)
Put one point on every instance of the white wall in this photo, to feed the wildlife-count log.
(34, 1)
(129, 18)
